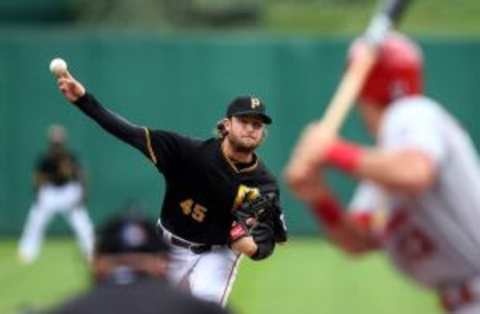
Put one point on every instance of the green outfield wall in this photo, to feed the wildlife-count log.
(183, 83)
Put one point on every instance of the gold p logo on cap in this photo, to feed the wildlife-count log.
(255, 102)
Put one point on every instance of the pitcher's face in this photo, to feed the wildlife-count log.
(245, 133)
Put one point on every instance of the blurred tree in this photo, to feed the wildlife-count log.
(34, 11)
(345, 17)
(121, 12)
(175, 13)
(192, 13)
(225, 13)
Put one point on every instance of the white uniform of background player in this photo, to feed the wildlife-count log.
(60, 190)
(434, 236)
(424, 173)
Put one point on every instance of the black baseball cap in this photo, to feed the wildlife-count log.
(248, 105)
(129, 234)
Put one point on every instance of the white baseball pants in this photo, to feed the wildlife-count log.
(208, 276)
(51, 200)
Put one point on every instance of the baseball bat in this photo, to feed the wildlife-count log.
(352, 81)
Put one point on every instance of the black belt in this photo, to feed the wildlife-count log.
(195, 248)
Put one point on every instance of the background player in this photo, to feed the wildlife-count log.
(60, 189)
(424, 170)
(129, 270)
(210, 186)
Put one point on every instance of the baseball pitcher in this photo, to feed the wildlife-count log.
(220, 201)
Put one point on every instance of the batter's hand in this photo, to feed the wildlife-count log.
(353, 238)
(302, 172)
(70, 87)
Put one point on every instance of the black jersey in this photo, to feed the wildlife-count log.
(202, 185)
(58, 168)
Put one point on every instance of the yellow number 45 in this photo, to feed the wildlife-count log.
(196, 211)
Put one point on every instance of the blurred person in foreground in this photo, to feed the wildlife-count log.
(59, 185)
(423, 172)
(221, 201)
(129, 275)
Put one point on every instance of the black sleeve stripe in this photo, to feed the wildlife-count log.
(149, 146)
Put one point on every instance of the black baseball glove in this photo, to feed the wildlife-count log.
(262, 234)
(250, 213)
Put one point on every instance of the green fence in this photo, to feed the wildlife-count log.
(183, 84)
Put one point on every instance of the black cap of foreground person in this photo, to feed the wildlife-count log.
(129, 234)
(129, 269)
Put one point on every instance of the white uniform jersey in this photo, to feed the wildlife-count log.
(435, 236)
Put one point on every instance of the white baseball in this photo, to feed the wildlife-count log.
(58, 66)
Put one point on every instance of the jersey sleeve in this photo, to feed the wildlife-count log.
(414, 126)
(169, 151)
(111, 122)
(166, 150)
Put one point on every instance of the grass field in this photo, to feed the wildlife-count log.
(306, 276)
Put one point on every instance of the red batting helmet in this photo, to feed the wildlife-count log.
(397, 72)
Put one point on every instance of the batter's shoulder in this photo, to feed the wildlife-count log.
(416, 107)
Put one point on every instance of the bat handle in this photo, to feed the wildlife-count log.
(348, 90)
(378, 29)
(385, 20)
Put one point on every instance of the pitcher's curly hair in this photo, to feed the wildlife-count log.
(220, 130)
